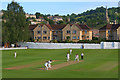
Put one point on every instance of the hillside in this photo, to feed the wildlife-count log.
(97, 18)
(93, 18)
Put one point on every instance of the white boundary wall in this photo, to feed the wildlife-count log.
(102, 45)
(110, 45)
(13, 48)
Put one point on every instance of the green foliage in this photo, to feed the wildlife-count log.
(56, 15)
(96, 41)
(93, 18)
(51, 22)
(54, 41)
(95, 38)
(42, 22)
(34, 20)
(88, 41)
(16, 27)
(96, 18)
(38, 15)
(61, 22)
(68, 37)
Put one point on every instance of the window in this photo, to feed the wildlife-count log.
(35, 37)
(109, 32)
(87, 36)
(44, 32)
(85, 31)
(56, 31)
(83, 35)
(44, 37)
(74, 32)
(78, 37)
(48, 38)
(38, 32)
(55, 37)
(39, 26)
(74, 37)
(68, 31)
(39, 37)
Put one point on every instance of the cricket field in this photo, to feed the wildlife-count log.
(29, 63)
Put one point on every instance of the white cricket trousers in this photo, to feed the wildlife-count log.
(77, 59)
(68, 58)
(49, 65)
(46, 68)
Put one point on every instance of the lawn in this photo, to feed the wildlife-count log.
(98, 63)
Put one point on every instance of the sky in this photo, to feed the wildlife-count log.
(59, 7)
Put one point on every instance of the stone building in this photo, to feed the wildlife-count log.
(73, 32)
(110, 32)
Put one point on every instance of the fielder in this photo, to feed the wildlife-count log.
(15, 54)
(46, 65)
(70, 51)
(68, 57)
(77, 57)
(49, 63)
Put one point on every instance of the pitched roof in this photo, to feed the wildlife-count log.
(83, 26)
(48, 25)
(110, 26)
(58, 26)
(31, 27)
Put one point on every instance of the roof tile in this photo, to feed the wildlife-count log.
(110, 26)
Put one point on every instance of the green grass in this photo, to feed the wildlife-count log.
(97, 63)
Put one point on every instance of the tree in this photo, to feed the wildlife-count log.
(51, 22)
(16, 27)
(60, 22)
(68, 37)
(56, 15)
(34, 20)
(37, 14)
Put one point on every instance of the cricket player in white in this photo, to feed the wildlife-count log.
(70, 51)
(77, 57)
(15, 54)
(68, 56)
(46, 65)
(49, 63)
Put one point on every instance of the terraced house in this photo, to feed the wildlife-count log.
(110, 32)
(73, 32)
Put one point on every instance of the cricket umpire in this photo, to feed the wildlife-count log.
(82, 56)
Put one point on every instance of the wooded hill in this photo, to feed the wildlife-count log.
(94, 18)
(97, 18)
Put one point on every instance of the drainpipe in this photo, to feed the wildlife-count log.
(70, 33)
(41, 33)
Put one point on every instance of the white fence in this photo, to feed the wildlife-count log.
(13, 48)
(102, 45)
